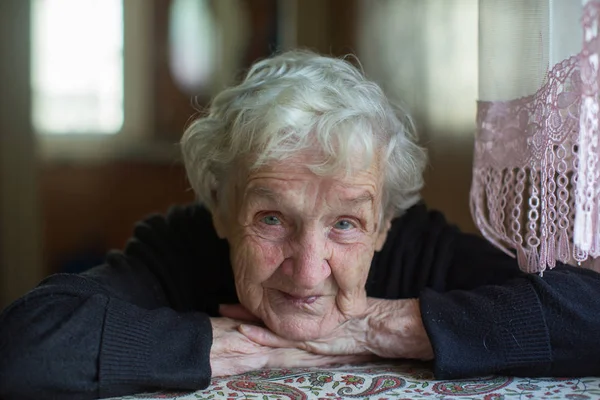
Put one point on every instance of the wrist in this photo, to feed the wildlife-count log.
(396, 330)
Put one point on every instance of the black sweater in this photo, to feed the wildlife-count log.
(141, 321)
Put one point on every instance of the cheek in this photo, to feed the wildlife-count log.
(255, 259)
(350, 265)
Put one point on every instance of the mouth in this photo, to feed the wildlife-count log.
(300, 300)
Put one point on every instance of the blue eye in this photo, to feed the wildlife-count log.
(344, 225)
(271, 220)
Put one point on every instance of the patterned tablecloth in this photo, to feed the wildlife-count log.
(381, 381)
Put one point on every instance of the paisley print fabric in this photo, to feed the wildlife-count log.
(381, 381)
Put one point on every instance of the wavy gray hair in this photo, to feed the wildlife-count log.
(289, 103)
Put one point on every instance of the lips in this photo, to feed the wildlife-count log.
(300, 299)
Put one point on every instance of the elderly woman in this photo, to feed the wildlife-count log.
(308, 247)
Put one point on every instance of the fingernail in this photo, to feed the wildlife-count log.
(245, 329)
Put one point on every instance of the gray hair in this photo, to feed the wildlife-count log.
(289, 103)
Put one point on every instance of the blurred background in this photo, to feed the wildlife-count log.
(95, 94)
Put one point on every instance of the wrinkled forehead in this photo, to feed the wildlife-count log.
(355, 168)
(339, 165)
(280, 178)
(324, 151)
(352, 179)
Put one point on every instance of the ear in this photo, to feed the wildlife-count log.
(382, 235)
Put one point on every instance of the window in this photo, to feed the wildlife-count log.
(77, 66)
(192, 44)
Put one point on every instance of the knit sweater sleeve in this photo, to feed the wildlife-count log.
(490, 318)
(131, 325)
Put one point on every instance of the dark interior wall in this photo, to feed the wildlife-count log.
(93, 207)
(20, 240)
(448, 179)
(327, 26)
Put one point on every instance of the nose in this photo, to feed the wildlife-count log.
(308, 264)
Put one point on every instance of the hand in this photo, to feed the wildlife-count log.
(348, 339)
(233, 353)
(388, 329)
(396, 330)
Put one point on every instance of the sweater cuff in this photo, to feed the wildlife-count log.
(147, 349)
(489, 330)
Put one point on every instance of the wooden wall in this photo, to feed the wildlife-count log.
(91, 206)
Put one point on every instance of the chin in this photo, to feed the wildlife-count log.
(299, 328)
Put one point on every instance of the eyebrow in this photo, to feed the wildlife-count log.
(261, 191)
(365, 197)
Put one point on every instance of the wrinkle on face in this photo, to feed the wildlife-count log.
(303, 251)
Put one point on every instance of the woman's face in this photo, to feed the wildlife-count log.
(301, 245)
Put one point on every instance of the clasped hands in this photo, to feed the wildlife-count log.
(386, 329)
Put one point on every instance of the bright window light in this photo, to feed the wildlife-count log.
(192, 44)
(77, 66)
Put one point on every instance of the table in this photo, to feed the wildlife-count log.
(378, 381)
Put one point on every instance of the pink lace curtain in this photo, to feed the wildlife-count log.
(536, 174)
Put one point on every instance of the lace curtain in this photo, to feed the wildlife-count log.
(535, 189)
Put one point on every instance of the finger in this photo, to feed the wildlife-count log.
(237, 311)
(265, 337)
(223, 325)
